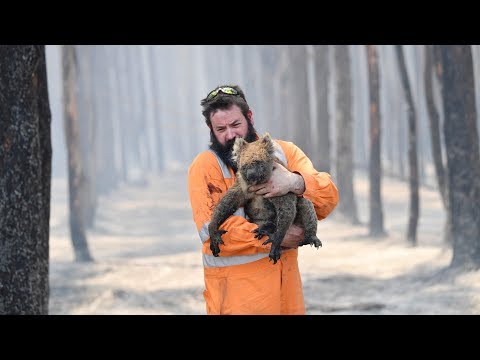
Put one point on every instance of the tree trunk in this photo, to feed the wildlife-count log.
(160, 120)
(88, 129)
(412, 150)
(435, 140)
(25, 177)
(76, 176)
(375, 168)
(321, 156)
(280, 95)
(112, 155)
(300, 120)
(344, 121)
(463, 159)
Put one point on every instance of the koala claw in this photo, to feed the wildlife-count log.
(312, 242)
(274, 255)
(317, 243)
(260, 233)
(215, 240)
(215, 249)
(268, 241)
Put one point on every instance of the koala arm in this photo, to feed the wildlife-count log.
(319, 186)
(240, 238)
(233, 199)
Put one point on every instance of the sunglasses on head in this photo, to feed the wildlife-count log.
(226, 90)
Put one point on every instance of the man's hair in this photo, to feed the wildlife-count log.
(224, 101)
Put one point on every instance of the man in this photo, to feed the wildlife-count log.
(242, 280)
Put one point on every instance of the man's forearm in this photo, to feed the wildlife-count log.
(298, 182)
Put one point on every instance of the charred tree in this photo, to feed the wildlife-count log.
(344, 121)
(300, 120)
(463, 159)
(88, 129)
(412, 150)
(375, 167)
(76, 168)
(25, 180)
(431, 65)
(321, 155)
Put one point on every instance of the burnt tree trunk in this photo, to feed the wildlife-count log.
(412, 150)
(76, 176)
(463, 159)
(435, 139)
(25, 179)
(375, 167)
(88, 129)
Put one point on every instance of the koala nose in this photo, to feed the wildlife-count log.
(251, 175)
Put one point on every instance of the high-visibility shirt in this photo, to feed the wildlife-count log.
(242, 280)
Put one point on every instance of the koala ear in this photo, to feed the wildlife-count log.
(237, 148)
(267, 140)
(239, 143)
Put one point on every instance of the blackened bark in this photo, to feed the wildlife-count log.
(463, 159)
(412, 150)
(76, 176)
(25, 174)
(375, 167)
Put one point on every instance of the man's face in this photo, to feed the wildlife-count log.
(227, 125)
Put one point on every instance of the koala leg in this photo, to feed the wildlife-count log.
(307, 218)
(285, 209)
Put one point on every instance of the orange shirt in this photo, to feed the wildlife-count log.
(242, 280)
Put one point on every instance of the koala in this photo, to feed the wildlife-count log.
(272, 215)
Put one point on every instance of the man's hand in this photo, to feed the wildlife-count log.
(293, 238)
(280, 183)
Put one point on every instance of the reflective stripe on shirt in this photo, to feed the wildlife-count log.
(223, 166)
(205, 234)
(220, 261)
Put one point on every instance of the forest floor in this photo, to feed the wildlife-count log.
(148, 258)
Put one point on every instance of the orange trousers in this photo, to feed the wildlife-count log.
(256, 288)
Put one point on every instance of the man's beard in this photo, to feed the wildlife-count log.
(225, 151)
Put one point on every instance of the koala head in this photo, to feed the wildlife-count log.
(255, 159)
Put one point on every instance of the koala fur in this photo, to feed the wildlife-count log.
(272, 215)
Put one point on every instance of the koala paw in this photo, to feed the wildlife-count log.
(260, 233)
(214, 248)
(268, 241)
(314, 241)
(215, 240)
(275, 254)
